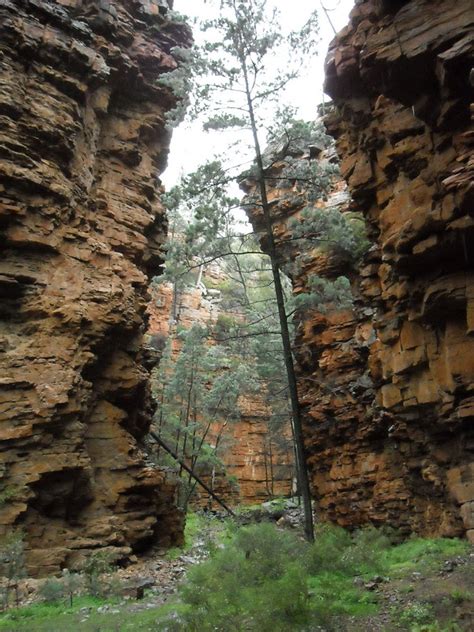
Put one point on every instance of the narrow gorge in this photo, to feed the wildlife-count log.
(384, 358)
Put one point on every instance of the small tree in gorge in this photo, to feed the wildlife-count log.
(243, 92)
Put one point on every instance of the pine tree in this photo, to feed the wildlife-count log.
(239, 86)
(247, 35)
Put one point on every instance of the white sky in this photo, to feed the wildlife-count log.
(191, 146)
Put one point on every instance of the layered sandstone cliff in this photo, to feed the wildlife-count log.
(387, 386)
(82, 140)
(400, 78)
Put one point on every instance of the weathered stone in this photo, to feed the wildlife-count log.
(412, 67)
(82, 140)
(388, 414)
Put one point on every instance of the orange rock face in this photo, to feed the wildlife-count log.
(401, 452)
(82, 138)
(386, 388)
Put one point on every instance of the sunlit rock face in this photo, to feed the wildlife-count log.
(82, 139)
(400, 76)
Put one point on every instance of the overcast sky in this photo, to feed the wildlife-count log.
(190, 146)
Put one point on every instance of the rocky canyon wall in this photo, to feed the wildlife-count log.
(401, 78)
(82, 140)
(386, 387)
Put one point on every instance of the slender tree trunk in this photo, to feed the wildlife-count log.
(267, 486)
(284, 330)
(187, 414)
(199, 275)
(270, 456)
(160, 421)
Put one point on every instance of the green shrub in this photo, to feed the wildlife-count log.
(52, 591)
(97, 564)
(367, 554)
(258, 582)
(458, 595)
(415, 614)
(71, 583)
(335, 549)
(329, 548)
(12, 565)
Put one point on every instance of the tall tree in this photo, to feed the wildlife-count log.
(245, 42)
(247, 63)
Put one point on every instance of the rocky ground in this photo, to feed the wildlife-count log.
(410, 602)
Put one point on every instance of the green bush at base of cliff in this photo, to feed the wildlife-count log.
(268, 579)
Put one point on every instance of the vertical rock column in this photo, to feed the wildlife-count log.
(82, 141)
(401, 77)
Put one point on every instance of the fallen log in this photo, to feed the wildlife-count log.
(191, 472)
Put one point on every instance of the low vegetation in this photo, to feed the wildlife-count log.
(268, 579)
(261, 577)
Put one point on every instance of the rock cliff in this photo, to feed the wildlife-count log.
(387, 387)
(400, 75)
(82, 140)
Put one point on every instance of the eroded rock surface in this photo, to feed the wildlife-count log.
(82, 142)
(387, 387)
(400, 78)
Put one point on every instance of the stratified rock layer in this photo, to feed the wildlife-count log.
(82, 140)
(399, 75)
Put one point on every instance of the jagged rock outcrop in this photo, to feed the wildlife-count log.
(400, 78)
(256, 467)
(82, 140)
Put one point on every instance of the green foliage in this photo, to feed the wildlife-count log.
(12, 557)
(224, 325)
(325, 295)
(197, 390)
(242, 88)
(97, 564)
(223, 121)
(340, 233)
(459, 595)
(256, 583)
(335, 559)
(416, 614)
(331, 545)
(12, 565)
(52, 591)
(9, 493)
(266, 579)
(435, 626)
(289, 136)
(45, 617)
(422, 554)
(71, 583)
